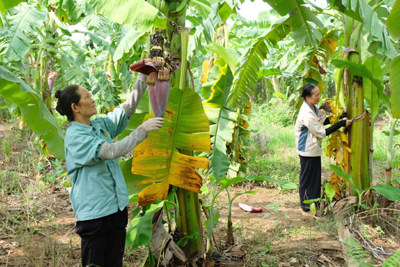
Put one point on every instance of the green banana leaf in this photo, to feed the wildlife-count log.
(392, 22)
(268, 72)
(158, 157)
(302, 21)
(222, 122)
(69, 11)
(209, 24)
(371, 94)
(7, 4)
(395, 86)
(34, 111)
(359, 70)
(138, 14)
(141, 227)
(221, 51)
(203, 6)
(127, 42)
(360, 10)
(24, 24)
(390, 192)
(245, 82)
(225, 10)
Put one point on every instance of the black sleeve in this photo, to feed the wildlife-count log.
(327, 121)
(344, 115)
(334, 127)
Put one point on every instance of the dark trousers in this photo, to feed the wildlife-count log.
(310, 180)
(103, 239)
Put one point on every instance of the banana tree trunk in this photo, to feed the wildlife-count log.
(188, 219)
(359, 134)
(388, 170)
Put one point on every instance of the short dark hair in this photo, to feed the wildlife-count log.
(307, 90)
(66, 97)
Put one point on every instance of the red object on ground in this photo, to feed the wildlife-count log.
(248, 208)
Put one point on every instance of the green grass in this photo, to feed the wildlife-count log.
(272, 143)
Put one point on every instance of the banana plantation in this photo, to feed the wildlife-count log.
(209, 70)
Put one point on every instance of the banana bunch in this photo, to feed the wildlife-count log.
(178, 8)
(158, 67)
(170, 8)
(50, 39)
(160, 5)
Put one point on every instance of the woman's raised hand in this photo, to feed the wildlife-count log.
(152, 124)
(348, 122)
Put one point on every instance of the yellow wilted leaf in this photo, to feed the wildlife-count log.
(153, 192)
(247, 109)
(206, 66)
(314, 74)
(345, 157)
(343, 137)
(244, 124)
(329, 151)
(330, 46)
(339, 157)
(348, 149)
(335, 181)
(158, 158)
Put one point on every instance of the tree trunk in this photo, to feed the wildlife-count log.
(353, 89)
(188, 218)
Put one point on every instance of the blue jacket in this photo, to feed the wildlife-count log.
(98, 186)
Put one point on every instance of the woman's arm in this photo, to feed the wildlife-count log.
(120, 148)
(337, 125)
(129, 106)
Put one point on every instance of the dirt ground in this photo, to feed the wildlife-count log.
(286, 232)
(281, 235)
(38, 226)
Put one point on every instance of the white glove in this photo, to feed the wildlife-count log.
(152, 124)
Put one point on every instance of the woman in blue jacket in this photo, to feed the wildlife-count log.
(99, 195)
(309, 132)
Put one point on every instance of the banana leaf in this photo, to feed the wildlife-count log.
(138, 14)
(360, 10)
(245, 82)
(395, 86)
(33, 110)
(371, 93)
(24, 25)
(69, 11)
(390, 192)
(392, 22)
(302, 21)
(126, 43)
(222, 122)
(6, 5)
(230, 58)
(359, 70)
(158, 157)
(141, 227)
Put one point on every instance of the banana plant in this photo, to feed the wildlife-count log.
(360, 19)
(357, 22)
(184, 117)
(30, 103)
